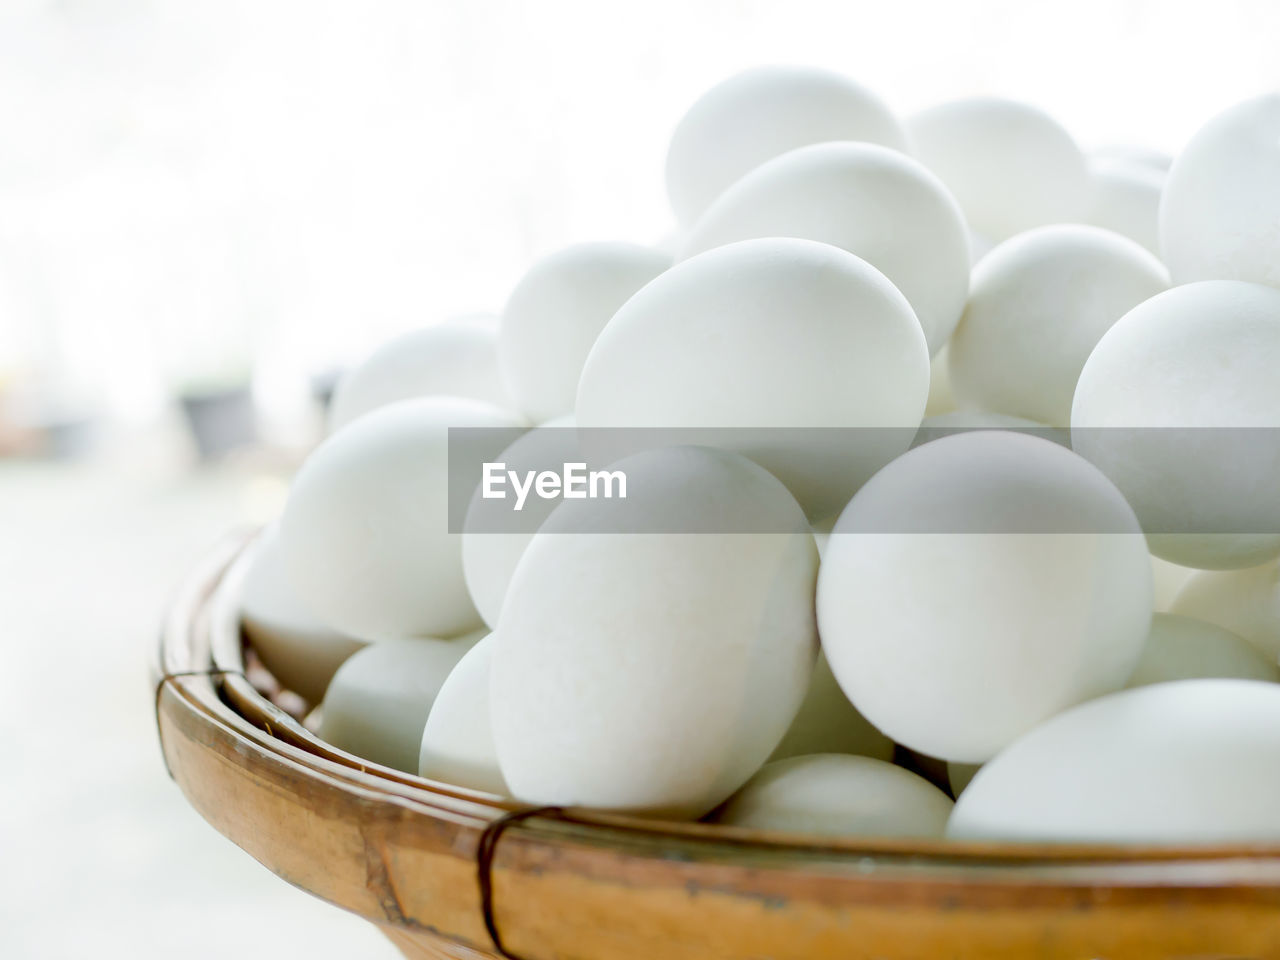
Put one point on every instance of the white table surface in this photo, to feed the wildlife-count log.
(100, 855)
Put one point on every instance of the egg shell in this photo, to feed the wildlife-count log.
(670, 241)
(555, 313)
(978, 420)
(365, 532)
(457, 741)
(1196, 761)
(300, 651)
(1246, 602)
(758, 114)
(1202, 355)
(953, 632)
(655, 672)
(877, 203)
(1010, 165)
(839, 795)
(1144, 156)
(1125, 198)
(455, 358)
(828, 723)
(491, 548)
(1169, 579)
(822, 532)
(378, 702)
(960, 421)
(1180, 648)
(1032, 319)
(1220, 212)
(766, 334)
(941, 400)
(979, 247)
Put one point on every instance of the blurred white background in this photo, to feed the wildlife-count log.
(197, 189)
(196, 193)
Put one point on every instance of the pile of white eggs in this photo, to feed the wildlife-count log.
(861, 606)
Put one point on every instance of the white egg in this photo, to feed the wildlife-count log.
(979, 420)
(828, 723)
(457, 742)
(1169, 579)
(1197, 761)
(979, 247)
(978, 585)
(494, 539)
(1032, 319)
(378, 702)
(555, 313)
(1220, 214)
(766, 336)
(877, 203)
(1180, 648)
(757, 115)
(1199, 356)
(366, 534)
(1246, 602)
(960, 775)
(1125, 198)
(1156, 160)
(670, 241)
(941, 399)
(300, 651)
(655, 672)
(960, 421)
(839, 795)
(457, 358)
(822, 532)
(1010, 165)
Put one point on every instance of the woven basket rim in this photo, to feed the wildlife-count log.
(227, 663)
(203, 693)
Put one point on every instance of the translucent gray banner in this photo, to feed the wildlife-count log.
(1180, 480)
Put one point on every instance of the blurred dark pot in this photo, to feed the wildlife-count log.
(221, 420)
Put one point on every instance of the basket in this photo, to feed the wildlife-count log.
(450, 873)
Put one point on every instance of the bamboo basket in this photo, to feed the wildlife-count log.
(450, 873)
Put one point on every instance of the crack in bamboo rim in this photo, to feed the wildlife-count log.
(213, 634)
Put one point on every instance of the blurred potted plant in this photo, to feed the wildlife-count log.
(215, 389)
(220, 412)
